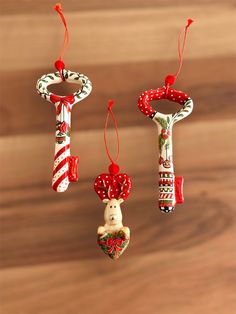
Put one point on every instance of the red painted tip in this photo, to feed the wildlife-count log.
(73, 168)
(110, 104)
(57, 7)
(190, 21)
(179, 182)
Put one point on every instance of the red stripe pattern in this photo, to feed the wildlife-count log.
(167, 191)
(61, 151)
(60, 165)
(60, 179)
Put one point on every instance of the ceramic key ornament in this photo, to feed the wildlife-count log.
(170, 186)
(113, 188)
(65, 169)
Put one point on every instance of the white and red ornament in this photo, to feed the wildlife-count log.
(113, 188)
(65, 169)
(170, 186)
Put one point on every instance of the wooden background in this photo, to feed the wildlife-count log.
(183, 263)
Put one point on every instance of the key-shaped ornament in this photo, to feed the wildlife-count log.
(170, 186)
(65, 168)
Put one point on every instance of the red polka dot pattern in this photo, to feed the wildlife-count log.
(109, 186)
(160, 93)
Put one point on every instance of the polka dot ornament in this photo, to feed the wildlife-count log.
(108, 186)
(157, 94)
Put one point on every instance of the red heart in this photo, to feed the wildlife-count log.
(108, 186)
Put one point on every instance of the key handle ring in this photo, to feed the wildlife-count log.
(165, 93)
(70, 77)
(170, 187)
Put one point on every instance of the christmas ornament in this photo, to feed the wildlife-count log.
(113, 188)
(170, 186)
(65, 168)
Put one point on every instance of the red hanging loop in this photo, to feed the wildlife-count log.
(170, 79)
(59, 64)
(113, 168)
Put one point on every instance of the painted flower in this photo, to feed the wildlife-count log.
(64, 127)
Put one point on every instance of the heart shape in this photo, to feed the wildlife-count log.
(108, 186)
(114, 243)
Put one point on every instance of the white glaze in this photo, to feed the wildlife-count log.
(63, 118)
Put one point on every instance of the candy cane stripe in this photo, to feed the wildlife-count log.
(61, 178)
(61, 151)
(60, 172)
(60, 165)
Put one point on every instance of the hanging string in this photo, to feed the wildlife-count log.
(181, 51)
(59, 64)
(170, 79)
(113, 168)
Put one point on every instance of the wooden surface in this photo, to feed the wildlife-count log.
(182, 263)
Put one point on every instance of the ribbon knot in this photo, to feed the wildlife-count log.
(66, 102)
(113, 244)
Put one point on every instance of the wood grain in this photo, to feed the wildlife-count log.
(27, 113)
(116, 36)
(40, 148)
(32, 7)
(58, 224)
(183, 263)
(167, 282)
(166, 253)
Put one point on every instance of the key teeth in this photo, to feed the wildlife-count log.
(179, 198)
(179, 182)
(73, 174)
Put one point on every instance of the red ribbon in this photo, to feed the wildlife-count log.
(63, 101)
(113, 244)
